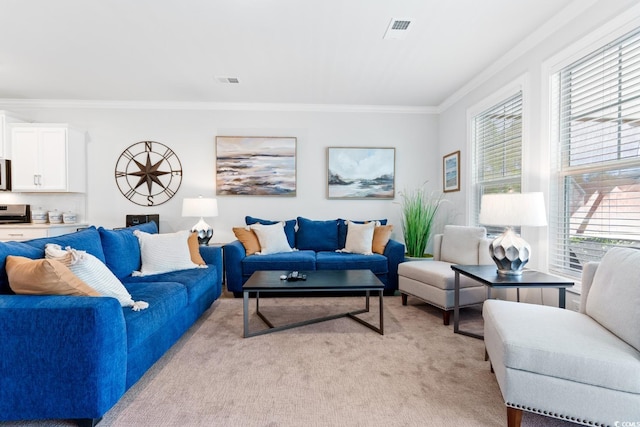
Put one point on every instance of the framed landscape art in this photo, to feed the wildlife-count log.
(451, 172)
(360, 173)
(256, 166)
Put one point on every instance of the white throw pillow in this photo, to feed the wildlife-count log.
(162, 253)
(359, 238)
(272, 238)
(94, 272)
(614, 296)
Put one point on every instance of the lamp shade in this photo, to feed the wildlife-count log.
(513, 209)
(200, 207)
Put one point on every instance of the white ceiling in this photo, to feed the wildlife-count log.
(283, 51)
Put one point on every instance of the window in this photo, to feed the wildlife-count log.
(595, 196)
(497, 151)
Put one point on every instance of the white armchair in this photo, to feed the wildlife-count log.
(578, 366)
(433, 280)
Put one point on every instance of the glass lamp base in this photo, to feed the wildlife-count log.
(510, 252)
(204, 232)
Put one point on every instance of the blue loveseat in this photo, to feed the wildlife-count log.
(316, 243)
(73, 357)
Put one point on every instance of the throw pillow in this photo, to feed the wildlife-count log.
(44, 277)
(289, 227)
(317, 235)
(272, 238)
(122, 249)
(614, 296)
(248, 238)
(359, 238)
(91, 270)
(342, 229)
(381, 236)
(194, 249)
(162, 253)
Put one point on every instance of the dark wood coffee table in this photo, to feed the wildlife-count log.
(319, 281)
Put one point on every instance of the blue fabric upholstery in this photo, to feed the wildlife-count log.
(121, 248)
(342, 229)
(317, 235)
(87, 239)
(289, 227)
(240, 267)
(74, 357)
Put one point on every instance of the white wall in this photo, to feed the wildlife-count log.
(191, 134)
(529, 67)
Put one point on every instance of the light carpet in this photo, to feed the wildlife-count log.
(335, 373)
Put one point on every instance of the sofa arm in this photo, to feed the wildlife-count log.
(234, 253)
(212, 255)
(394, 251)
(60, 356)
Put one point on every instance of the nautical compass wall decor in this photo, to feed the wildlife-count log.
(148, 173)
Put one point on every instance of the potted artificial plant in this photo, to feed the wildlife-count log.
(419, 210)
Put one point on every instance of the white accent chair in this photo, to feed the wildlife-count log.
(432, 281)
(578, 366)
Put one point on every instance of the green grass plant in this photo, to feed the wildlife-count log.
(419, 210)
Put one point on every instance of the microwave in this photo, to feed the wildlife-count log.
(5, 175)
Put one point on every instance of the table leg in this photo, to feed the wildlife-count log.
(456, 303)
(245, 311)
(562, 297)
(381, 314)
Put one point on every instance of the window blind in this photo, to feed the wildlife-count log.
(595, 199)
(497, 140)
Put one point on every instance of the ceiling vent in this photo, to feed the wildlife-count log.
(223, 79)
(397, 29)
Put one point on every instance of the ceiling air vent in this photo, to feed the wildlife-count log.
(223, 79)
(397, 29)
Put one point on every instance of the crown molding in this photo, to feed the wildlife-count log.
(215, 106)
(556, 23)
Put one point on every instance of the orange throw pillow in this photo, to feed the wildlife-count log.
(248, 238)
(381, 236)
(194, 249)
(44, 277)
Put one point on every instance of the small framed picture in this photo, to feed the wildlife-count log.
(451, 172)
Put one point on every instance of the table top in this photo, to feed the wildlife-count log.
(488, 275)
(317, 280)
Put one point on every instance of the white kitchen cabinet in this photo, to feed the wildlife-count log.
(6, 118)
(21, 232)
(47, 158)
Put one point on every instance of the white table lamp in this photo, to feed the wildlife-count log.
(201, 207)
(509, 251)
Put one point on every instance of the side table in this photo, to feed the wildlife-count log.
(488, 276)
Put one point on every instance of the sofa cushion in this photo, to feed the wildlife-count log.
(16, 249)
(359, 238)
(298, 260)
(248, 238)
(166, 300)
(44, 277)
(614, 297)
(434, 273)
(460, 244)
(342, 229)
(345, 261)
(562, 344)
(381, 236)
(272, 238)
(289, 227)
(87, 240)
(197, 281)
(121, 248)
(194, 249)
(161, 253)
(94, 272)
(317, 235)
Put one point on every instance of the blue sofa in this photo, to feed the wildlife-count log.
(73, 357)
(316, 243)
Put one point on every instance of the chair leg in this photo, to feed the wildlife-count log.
(404, 299)
(446, 314)
(514, 417)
